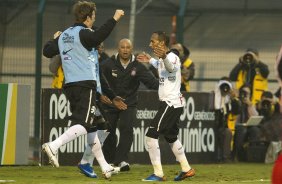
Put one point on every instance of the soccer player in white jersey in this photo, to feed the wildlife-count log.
(171, 105)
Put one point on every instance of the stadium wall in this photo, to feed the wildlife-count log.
(14, 124)
(198, 131)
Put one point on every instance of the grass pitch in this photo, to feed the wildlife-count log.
(235, 173)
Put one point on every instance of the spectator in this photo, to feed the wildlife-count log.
(124, 75)
(244, 134)
(55, 67)
(227, 106)
(268, 105)
(267, 131)
(251, 71)
(187, 66)
(278, 94)
(269, 108)
(102, 55)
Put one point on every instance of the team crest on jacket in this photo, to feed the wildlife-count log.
(114, 73)
(133, 72)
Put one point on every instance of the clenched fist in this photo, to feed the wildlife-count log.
(118, 14)
(58, 33)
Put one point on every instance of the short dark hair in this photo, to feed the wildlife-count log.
(82, 9)
(186, 51)
(246, 86)
(162, 36)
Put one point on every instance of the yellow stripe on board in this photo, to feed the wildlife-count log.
(10, 145)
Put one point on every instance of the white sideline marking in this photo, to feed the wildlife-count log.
(260, 180)
(249, 181)
(7, 181)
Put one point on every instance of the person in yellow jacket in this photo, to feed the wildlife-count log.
(56, 69)
(251, 71)
(187, 68)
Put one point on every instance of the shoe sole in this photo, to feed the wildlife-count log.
(190, 175)
(152, 180)
(90, 175)
(46, 149)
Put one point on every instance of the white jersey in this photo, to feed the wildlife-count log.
(169, 79)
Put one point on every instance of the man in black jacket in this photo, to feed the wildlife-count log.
(124, 75)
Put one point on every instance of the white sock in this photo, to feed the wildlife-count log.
(97, 151)
(88, 155)
(69, 135)
(179, 153)
(152, 146)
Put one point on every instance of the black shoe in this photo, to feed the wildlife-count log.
(124, 166)
(101, 123)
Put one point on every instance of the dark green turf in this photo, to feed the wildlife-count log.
(237, 173)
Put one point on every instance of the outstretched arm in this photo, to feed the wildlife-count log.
(143, 57)
(91, 39)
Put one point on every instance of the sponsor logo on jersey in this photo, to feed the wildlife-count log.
(68, 38)
(65, 52)
(171, 78)
(66, 58)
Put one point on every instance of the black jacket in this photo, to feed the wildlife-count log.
(125, 82)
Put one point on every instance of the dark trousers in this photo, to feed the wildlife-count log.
(224, 142)
(123, 120)
(242, 136)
